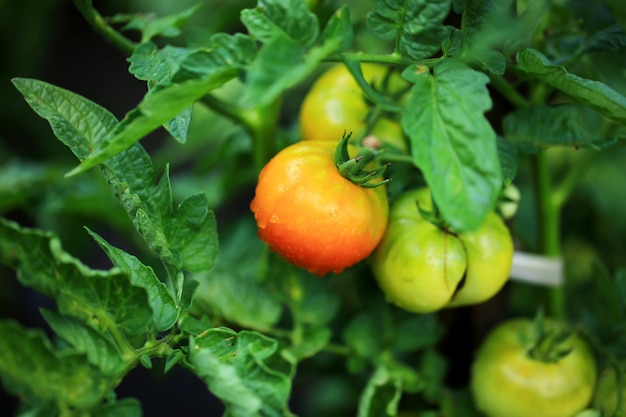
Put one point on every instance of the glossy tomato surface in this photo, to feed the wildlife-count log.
(422, 268)
(336, 104)
(315, 218)
(507, 382)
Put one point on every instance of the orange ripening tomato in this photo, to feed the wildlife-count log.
(314, 217)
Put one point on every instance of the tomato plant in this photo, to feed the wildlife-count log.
(422, 267)
(521, 368)
(203, 164)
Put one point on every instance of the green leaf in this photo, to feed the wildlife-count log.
(281, 65)
(536, 128)
(452, 142)
(151, 26)
(165, 312)
(432, 369)
(454, 45)
(156, 108)
(195, 327)
(237, 298)
(339, 27)
(222, 51)
(232, 289)
(507, 154)
(415, 25)
(105, 300)
(384, 389)
(363, 333)
(99, 348)
(619, 10)
(32, 369)
(273, 19)
(77, 122)
(236, 368)
(190, 287)
(185, 237)
(312, 301)
(492, 61)
(157, 66)
(314, 339)
(355, 69)
(594, 94)
(126, 407)
(21, 180)
(417, 332)
(610, 39)
(488, 26)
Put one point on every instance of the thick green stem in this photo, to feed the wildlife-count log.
(548, 215)
(103, 28)
(262, 123)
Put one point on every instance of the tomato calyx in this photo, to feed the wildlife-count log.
(549, 342)
(353, 169)
(435, 217)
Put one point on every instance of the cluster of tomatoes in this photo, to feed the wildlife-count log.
(320, 220)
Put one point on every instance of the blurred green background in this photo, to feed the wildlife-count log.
(49, 40)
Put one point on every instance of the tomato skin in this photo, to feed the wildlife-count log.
(422, 268)
(315, 218)
(506, 382)
(335, 104)
(605, 396)
(490, 258)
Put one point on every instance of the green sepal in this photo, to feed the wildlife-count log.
(434, 215)
(145, 361)
(548, 344)
(353, 169)
(173, 358)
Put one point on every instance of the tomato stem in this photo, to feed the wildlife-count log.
(548, 215)
(100, 25)
(384, 58)
(508, 91)
(353, 169)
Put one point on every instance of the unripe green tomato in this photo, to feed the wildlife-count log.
(605, 396)
(336, 104)
(422, 268)
(507, 382)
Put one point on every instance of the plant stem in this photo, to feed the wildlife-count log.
(262, 123)
(394, 157)
(565, 187)
(103, 28)
(508, 91)
(385, 58)
(548, 215)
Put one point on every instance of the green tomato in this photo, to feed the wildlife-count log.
(507, 382)
(336, 104)
(422, 268)
(605, 396)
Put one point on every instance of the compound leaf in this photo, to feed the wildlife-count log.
(236, 368)
(594, 94)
